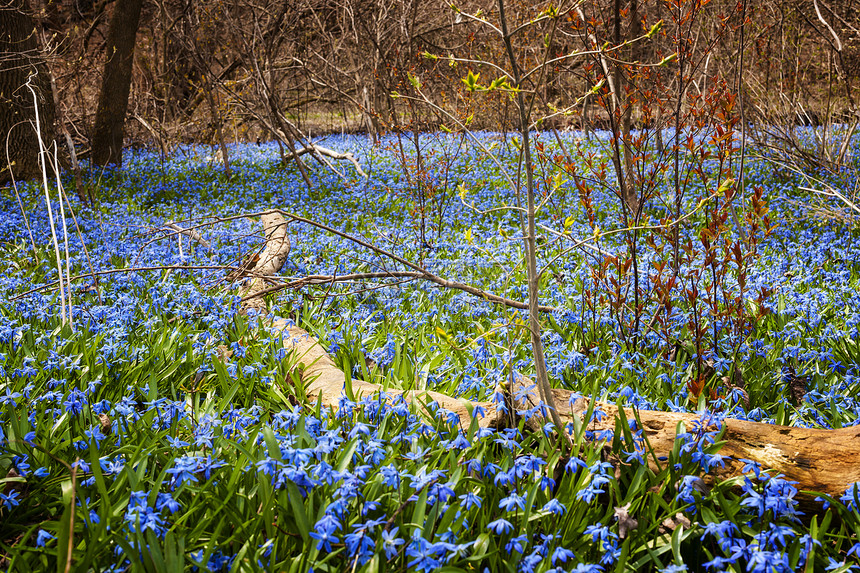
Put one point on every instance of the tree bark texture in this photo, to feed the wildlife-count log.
(20, 61)
(819, 460)
(116, 83)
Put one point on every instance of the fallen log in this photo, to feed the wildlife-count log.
(325, 382)
(269, 262)
(820, 461)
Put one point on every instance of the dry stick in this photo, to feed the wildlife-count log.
(84, 245)
(327, 279)
(56, 167)
(55, 96)
(18, 196)
(175, 229)
(365, 289)
(92, 274)
(191, 233)
(326, 152)
(71, 543)
(308, 147)
(425, 274)
(311, 280)
(744, 128)
(528, 226)
(42, 152)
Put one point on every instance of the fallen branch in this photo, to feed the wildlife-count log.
(424, 273)
(326, 152)
(312, 280)
(820, 461)
(190, 233)
(271, 260)
(93, 274)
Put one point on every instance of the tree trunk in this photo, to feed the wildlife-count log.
(116, 83)
(21, 60)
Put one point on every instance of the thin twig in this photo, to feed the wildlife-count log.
(53, 284)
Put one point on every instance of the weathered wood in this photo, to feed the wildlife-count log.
(825, 461)
(325, 381)
(270, 261)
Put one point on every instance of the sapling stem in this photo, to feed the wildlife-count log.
(542, 378)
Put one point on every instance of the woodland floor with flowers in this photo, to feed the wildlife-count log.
(159, 428)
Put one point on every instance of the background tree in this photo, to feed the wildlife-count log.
(269, 70)
(22, 62)
(116, 83)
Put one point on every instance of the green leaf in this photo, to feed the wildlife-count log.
(296, 502)
(499, 83)
(480, 547)
(471, 81)
(668, 59)
(64, 533)
(677, 536)
(654, 29)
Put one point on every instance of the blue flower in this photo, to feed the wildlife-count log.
(324, 539)
(586, 568)
(516, 544)
(512, 502)
(500, 526)
(183, 470)
(470, 500)
(9, 397)
(555, 506)
(360, 545)
(423, 553)
(852, 493)
(10, 500)
(165, 500)
(561, 554)
(391, 543)
(42, 537)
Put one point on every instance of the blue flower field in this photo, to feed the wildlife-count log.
(162, 429)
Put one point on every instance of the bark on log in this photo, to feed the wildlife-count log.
(824, 461)
(325, 381)
(271, 260)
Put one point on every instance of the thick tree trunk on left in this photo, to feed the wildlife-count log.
(20, 61)
(116, 83)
